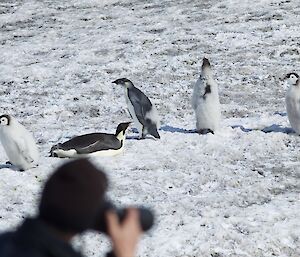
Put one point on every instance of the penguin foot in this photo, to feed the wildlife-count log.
(205, 131)
(142, 136)
(157, 137)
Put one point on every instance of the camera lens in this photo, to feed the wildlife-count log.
(146, 217)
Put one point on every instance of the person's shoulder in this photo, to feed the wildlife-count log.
(5, 237)
(5, 243)
(8, 248)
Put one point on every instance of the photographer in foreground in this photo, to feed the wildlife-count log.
(73, 201)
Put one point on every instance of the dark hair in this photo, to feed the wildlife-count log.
(73, 196)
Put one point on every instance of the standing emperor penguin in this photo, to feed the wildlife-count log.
(142, 111)
(205, 101)
(18, 143)
(292, 101)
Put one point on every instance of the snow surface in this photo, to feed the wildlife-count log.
(235, 193)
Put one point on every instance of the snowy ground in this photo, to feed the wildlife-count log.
(235, 193)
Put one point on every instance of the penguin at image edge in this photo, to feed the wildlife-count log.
(205, 101)
(292, 100)
(18, 143)
(142, 111)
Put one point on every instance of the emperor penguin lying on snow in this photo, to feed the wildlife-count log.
(93, 144)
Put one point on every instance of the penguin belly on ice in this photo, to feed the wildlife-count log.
(292, 101)
(18, 143)
(142, 111)
(93, 144)
(205, 101)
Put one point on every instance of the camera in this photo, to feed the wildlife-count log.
(146, 216)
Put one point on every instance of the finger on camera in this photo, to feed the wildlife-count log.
(113, 222)
(133, 214)
(132, 217)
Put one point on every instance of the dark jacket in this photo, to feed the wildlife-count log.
(34, 239)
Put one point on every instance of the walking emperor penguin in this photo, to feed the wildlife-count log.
(142, 111)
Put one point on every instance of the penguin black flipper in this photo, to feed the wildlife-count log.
(106, 143)
(151, 129)
(81, 141)
(141, 104)
(91, 142)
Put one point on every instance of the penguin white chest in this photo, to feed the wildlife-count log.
(207, 112)
(72, 153)
(293, 108)
(19, 146)
(10, 147)
(206, 104)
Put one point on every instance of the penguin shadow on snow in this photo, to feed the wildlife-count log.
(135, 131)
(172, 129)
(283, 114)
(5, 166)
(166, 128)
(9, 166)
(275, 128)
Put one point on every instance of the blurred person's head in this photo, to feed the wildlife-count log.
(73, 197)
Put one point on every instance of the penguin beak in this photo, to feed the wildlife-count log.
(128, 124)
(205, 62)
(285, 77)
(115, 82)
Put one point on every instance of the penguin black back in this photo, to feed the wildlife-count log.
(122, 127)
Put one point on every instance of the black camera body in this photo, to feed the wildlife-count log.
(146, 217)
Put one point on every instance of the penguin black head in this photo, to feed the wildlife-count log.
(53, 148)
(206, 69)
(5, 120)
(122, 127)
(205, 63)
(292, 78)
(123, 82)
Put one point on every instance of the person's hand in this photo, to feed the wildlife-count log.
(124, 236)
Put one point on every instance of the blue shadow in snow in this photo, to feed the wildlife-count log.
(135, 131)
(278, 129)
(9, 166)
(283, 114)
(132, 138)
(3, 166)
(178, 130)
(273, 128)
(242, 128)
(166, 128)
